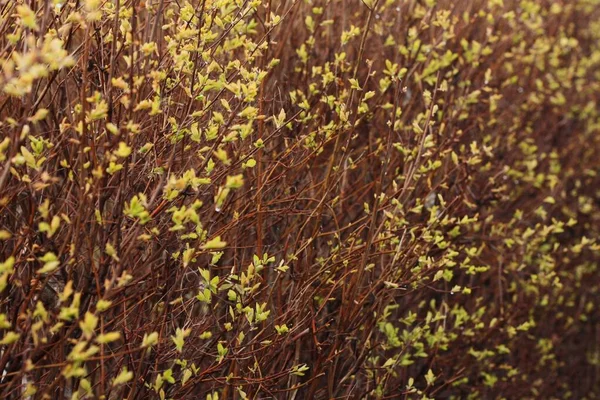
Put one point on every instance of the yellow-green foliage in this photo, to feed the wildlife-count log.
(299, 199)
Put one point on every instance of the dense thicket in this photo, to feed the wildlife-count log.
(299, 199)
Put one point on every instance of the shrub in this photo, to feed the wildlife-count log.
(299, 199)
